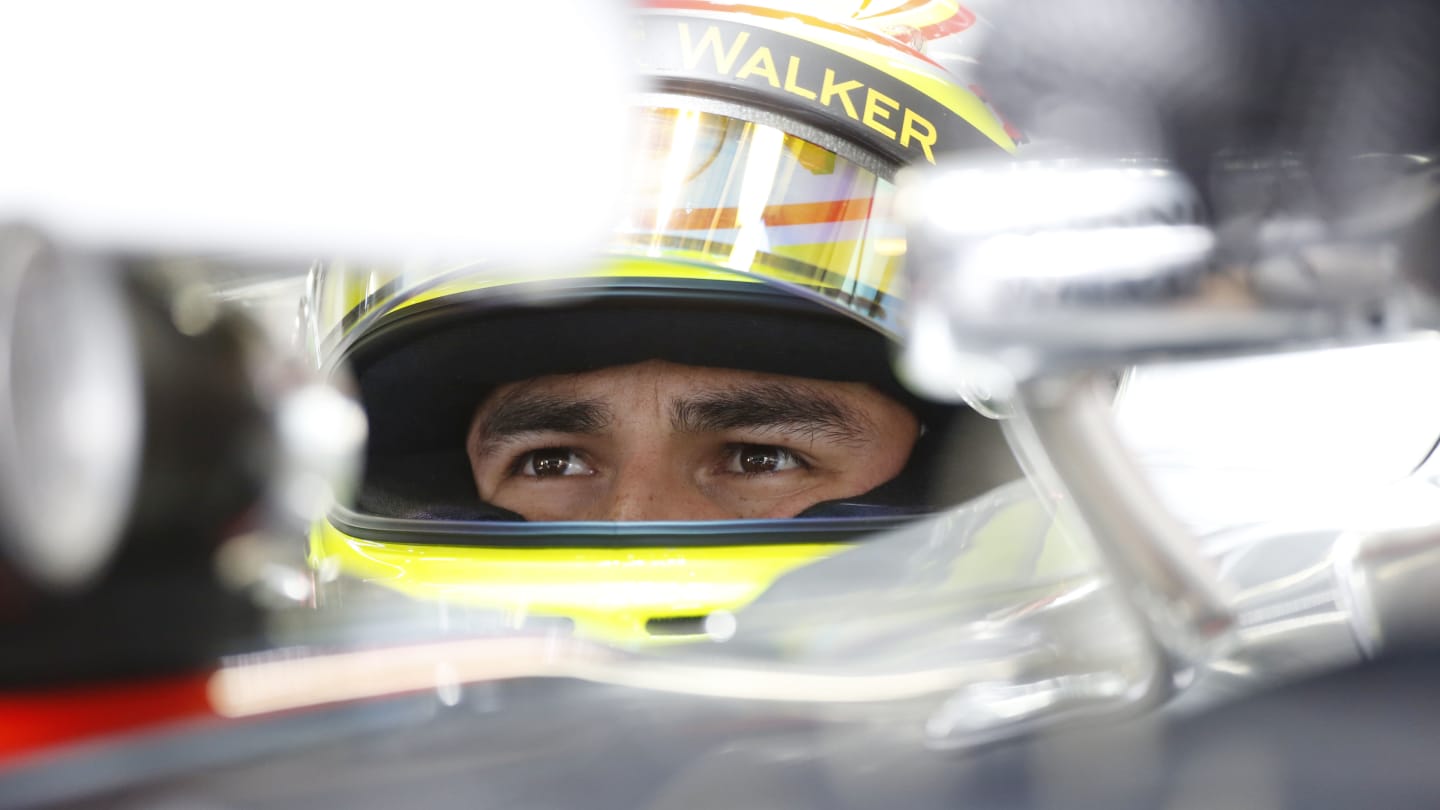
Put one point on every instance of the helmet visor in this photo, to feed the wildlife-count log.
(753, 198)
(713, 193)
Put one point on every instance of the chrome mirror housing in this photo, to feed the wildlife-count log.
(1030, 268)
(1035, 282)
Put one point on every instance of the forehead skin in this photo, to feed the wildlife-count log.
(659, 441)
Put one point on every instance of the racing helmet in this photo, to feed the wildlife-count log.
(759, 238)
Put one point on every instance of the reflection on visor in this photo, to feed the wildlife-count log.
(714, 195)
(752, 198)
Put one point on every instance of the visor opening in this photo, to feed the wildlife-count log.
(676, 626)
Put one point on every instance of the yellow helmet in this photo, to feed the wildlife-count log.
(758, 238)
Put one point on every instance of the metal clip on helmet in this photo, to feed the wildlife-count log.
(759, 240)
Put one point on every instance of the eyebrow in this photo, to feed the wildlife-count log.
(522, 412)
(788, 409)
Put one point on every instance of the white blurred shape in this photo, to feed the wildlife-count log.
(70, 412)
(390, 130)
(447, 684)
(721, 625)
(324, 433)
(1111, 254)
(1304, 435)
(324, 426)
(989, 199)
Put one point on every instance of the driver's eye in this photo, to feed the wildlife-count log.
(753, 459)
(552, 462)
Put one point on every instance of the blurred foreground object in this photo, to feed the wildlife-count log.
(71, 412)
(1205, 82)
(1210, 179)
(1084, 263)
(389, 131)
(144, 425)
(1214, 176)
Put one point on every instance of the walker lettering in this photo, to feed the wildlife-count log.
(740, 59)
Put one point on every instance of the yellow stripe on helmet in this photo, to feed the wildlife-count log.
(609, 593)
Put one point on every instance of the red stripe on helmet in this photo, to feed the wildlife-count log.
(959, 19)
(962, 19)
(775, 216)
(777, 14)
